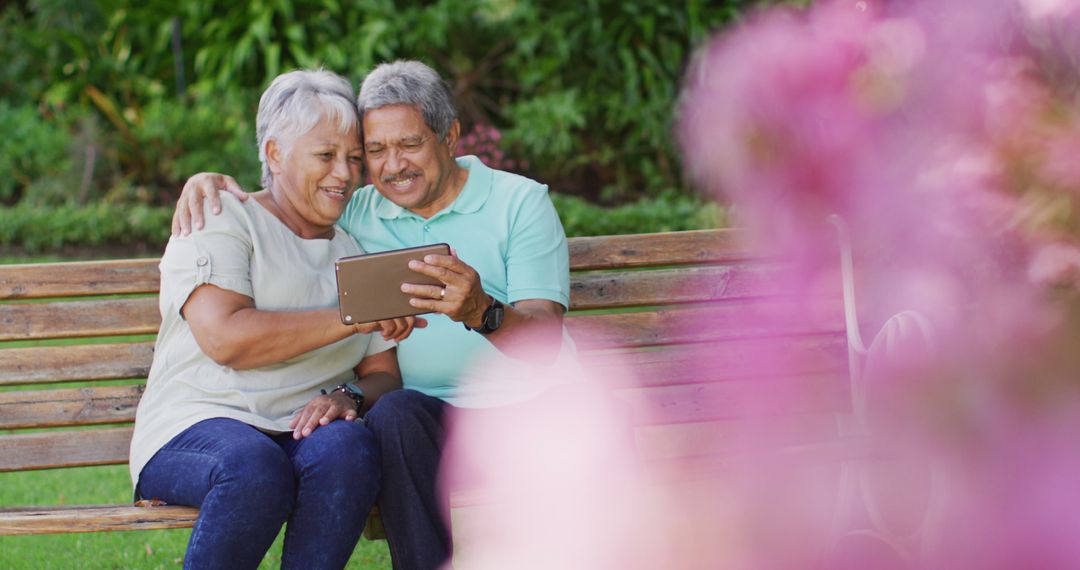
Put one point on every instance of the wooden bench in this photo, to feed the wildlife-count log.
(92, 323)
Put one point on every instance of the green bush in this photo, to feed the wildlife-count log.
(38, 230)
(31, 150)
(664, 213)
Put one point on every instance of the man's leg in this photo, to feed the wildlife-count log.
(337, 470)
(408, 426)
(239, 478)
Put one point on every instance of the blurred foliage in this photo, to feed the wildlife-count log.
(665, 213)
(32, 230)
(36, 229)
(117, 101)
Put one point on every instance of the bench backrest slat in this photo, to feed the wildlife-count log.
(71, 406)
(605, 290)
(64, 448)
(71, 319)
(735, 399)
(48, 364)
(79, 279)
(723, 321)
(709, 438)
(105, 317)
(645, 250)
(38, 281)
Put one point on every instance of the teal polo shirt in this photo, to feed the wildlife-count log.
(506, 228)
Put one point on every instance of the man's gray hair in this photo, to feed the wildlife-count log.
(294, 103)
(410, 83)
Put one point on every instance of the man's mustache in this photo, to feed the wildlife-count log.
(389, 178)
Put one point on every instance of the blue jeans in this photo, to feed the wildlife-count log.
(247, 483)
(408, 425)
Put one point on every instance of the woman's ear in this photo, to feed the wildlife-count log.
(274, 156)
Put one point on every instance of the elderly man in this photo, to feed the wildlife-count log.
(506, 285)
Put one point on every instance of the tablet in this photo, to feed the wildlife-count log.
(369, 285)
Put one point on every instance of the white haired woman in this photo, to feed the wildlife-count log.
(249, 406)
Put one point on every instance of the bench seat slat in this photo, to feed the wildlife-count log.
(669, 248)
(94, 518)
(66, 319)
(42, 280)
(73, 406)
(64, 448)
(47, 364)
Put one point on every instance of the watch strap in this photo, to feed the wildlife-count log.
(491, 319)
(353, 392)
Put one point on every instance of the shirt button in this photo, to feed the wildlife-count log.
(427, 228)
(201, 261)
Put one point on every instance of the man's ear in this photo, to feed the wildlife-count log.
(452, 135)
(274, 156)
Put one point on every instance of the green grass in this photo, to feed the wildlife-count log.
(139, 549)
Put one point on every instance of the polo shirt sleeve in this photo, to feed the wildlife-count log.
(219, 255)
(537, 262)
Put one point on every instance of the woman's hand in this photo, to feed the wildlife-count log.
(320, 411)
(396, 330)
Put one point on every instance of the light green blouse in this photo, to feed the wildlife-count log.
(249, 251)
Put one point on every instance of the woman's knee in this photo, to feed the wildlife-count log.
(259, 472)
(342, 450)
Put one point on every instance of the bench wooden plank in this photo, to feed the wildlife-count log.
(66, 319)
(94, 518)
(74, 406)
(660, 442)
(672, 286)
(696, 324)
(755, 397)
(43, 280)
(103, 317)
(64, 448)
(76, 279)
(668, 248)
(720, 360)
(107, 317)
(46, 364)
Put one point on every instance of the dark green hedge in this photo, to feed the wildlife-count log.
(37, 230)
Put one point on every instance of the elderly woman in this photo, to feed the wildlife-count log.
(252, 365)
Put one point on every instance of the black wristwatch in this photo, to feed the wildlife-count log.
(353, 392)
(492, 319)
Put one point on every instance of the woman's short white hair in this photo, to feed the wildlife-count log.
(295, 102)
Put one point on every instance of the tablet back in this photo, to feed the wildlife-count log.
(369, 285)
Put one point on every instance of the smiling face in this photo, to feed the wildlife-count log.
(315, 177)
(409, 164)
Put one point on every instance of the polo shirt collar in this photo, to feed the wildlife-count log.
(472, 197)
